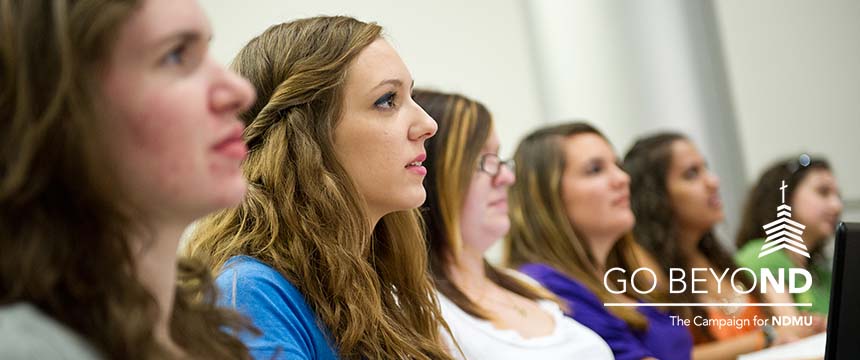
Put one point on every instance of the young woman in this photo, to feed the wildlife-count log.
(326, 253)
(492, 313)
(676, 201)
(813, 195)
(570, 224)
(118, 131)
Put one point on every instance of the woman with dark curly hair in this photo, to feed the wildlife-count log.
(675, 198)
(813, 196)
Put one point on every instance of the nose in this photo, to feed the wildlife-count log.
(423, 126)
(505, 177)
(621, 178)
(232, 94)
(712, 180)
(837, 204)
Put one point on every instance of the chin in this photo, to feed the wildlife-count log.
(232, 195)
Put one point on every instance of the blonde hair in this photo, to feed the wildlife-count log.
(540, 229)
(452, 157)
(303, 215)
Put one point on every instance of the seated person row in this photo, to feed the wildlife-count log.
(570, 222)
(675, 198)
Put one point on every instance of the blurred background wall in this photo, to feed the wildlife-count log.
(749, 81)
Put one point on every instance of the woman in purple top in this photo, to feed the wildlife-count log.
(570, 223)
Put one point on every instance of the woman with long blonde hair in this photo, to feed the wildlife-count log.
(118, 130)
(326, 253)
(571, 224)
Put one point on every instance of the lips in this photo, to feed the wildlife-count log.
(499, 202)
(232, 146)
(622, 200)
(416, 165)
(714, 201)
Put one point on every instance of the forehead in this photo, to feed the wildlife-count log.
(492, 140)
(584, 147)
(376, 63)
(158, 19)
(819, 177)
(685, 154)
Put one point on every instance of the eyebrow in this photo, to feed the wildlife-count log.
(395, 82)
(184, 36)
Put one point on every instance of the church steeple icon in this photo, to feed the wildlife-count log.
(783, 233)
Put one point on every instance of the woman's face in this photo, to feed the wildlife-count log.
(172, 111)
(485, 207)
(380, 138)
(595, 190)
(817, 204)
(693, 189)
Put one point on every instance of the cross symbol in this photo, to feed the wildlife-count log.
(783, 187)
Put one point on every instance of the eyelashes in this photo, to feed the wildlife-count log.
(387, 101)
(176, 56)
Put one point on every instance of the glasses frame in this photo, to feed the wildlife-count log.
(484, 167)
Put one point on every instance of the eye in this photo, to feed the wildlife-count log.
(176, 56)
(594, 167)
(386, 102)
(691, 173)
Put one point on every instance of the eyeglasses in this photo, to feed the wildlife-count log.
(492, 164)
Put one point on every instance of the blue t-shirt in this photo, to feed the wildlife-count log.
(662, 339)
(277, 308)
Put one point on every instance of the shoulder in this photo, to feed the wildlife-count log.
(552, 279)
(276, 307)
(26, 333)
(243, 275)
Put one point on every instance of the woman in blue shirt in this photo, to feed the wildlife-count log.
(326, 253)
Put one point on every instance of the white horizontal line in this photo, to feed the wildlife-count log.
(704, 304)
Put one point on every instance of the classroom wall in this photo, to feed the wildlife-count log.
(478, 48)
(749, 81)
(794, 69)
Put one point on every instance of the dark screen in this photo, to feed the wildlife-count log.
(843, 323)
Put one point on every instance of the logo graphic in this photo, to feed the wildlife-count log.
(783, 233)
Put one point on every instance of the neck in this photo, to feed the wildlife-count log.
(796, 258)
(467, 272)
(155, 256)
(601, 246)
(688, 241)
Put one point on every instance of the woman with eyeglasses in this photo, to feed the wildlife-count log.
(492, 313)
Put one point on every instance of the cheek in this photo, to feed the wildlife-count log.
(579, 202)
(164, 144)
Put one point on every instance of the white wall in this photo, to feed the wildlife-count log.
(794, 68)
(478, 47)
(637, 67)
(749, 80)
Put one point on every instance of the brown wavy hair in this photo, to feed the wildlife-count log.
(541, 232)
(464, 127)
(648, 162)
(303, 215)
(65, 230)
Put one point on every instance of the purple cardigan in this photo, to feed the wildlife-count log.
(661, 340)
